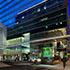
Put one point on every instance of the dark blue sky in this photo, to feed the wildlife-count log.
(10, 8)
(69, 7)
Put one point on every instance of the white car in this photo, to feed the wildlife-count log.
(35, 59)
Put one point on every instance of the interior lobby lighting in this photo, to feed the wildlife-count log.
(22, 17)
(61, 13)
(60, 22)
(38, 10)
(44, 7)
(51, 38)
(46, 26)
(56, 23)
(44, 19)
(17, 22)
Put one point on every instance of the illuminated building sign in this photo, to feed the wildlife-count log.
(47, 52)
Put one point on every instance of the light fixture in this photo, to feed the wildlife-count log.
(61, 13)
(56, 23)
(38, 10)
(44, 7)
(17, 22)
(60, 22)
(44, 19)
(22, 17)
(46, 26)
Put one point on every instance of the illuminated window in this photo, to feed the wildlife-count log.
(44, 19)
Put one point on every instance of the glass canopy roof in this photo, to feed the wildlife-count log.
(10, 8)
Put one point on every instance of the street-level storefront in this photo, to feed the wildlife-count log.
(49, 44)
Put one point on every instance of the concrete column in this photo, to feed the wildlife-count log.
(68, 17)
(68, 22)
(3, 35)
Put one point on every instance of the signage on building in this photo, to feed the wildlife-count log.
(47, 52)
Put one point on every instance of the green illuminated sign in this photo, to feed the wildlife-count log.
(47, 52)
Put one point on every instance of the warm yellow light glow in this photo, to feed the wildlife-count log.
(38, 60)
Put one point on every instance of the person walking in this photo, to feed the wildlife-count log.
(64, 61)
(64, 58)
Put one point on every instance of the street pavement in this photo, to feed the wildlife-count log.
(27, 66)
(60, 66)
(53, 67)
(4, 65)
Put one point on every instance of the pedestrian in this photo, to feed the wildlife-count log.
(64, 61)
(17, 58)
(64, 58)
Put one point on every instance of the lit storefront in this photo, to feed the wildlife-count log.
(48, 47)
(17, 46)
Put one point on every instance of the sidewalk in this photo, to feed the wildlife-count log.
(4, 65)
(60, 66)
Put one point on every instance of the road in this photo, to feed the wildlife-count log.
(34, 67)
(54, 67)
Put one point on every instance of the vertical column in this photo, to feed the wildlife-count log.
(2, 36)
(68, 21)
(2, 39)
(68, 17)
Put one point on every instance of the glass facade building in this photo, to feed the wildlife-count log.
(38, 28)
(40, 18)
